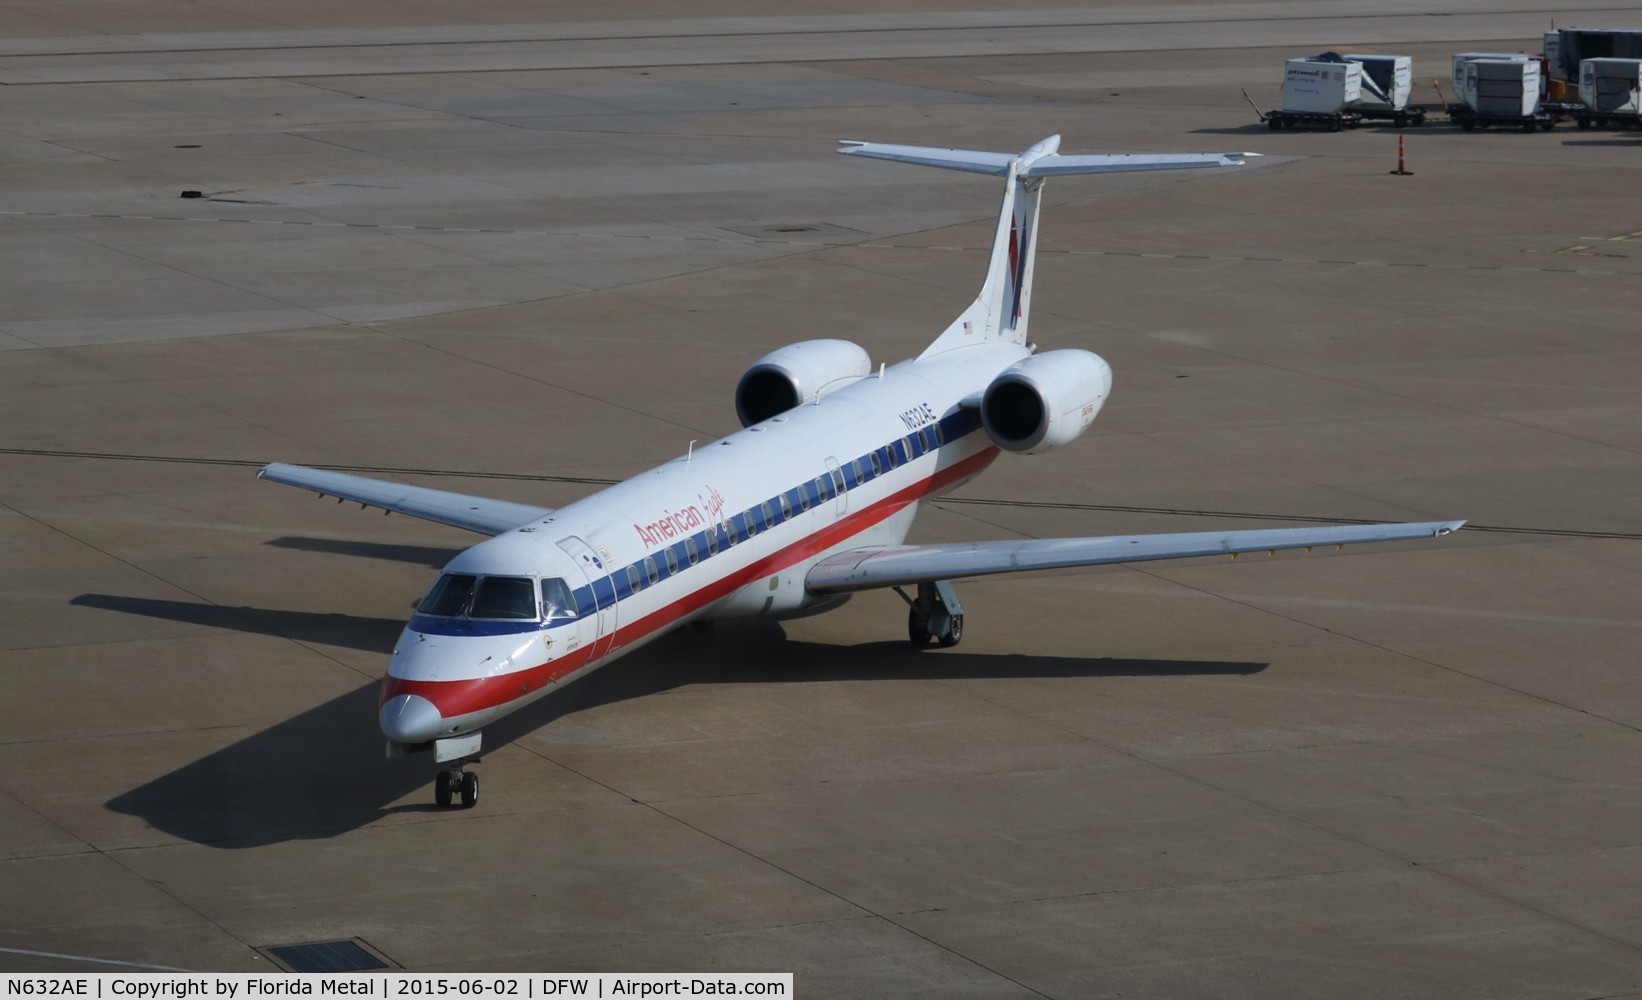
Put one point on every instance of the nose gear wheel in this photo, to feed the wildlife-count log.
(456, 787)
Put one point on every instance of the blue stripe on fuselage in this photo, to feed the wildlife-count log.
(606, 591)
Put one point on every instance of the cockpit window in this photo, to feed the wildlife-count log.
(504, 597)
(449, 596)
(557, 601)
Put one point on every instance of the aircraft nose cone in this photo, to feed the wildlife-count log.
(410, 718)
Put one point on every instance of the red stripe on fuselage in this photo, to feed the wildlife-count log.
(464, 697)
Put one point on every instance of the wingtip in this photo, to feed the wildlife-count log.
(1449, 527)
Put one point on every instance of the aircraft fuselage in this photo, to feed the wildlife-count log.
(726, 531)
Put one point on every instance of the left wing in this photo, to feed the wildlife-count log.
(865, 569)
(488, 517)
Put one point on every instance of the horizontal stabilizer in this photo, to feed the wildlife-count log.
(1041, 160)
(1116, 163)
(865, 569)
(487, 517)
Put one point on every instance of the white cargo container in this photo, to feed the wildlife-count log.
(1501, 88)
(1611, 86)
(1461, 58)
(1393, 76)
(1312, 87)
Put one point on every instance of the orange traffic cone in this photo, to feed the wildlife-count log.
(1402, 170)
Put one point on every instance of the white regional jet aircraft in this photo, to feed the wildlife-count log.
(811, 501)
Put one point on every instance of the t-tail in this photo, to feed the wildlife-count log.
(1001, 311)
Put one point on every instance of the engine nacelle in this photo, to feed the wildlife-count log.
(797, 374)
(1045, 401)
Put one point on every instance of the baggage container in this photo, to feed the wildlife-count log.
(1461, 58)
(1393, 79)
(1611, 86)
(1311, 86)
(1502, 88)
(1501, 92)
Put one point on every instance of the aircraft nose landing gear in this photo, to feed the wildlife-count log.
(456, 784)
(934, 614)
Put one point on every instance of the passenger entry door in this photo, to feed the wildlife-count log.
(597, 578)
(837, 476)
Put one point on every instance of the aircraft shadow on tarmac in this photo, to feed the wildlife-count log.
(323, 772)
(434, 556)
(374, 635)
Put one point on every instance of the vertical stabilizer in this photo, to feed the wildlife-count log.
(1001, 312)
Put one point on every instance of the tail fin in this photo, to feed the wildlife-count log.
(999, 314)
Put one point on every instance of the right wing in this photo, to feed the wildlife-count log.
(893, 566)
(488, 517)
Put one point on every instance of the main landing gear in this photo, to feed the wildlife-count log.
(934, 614)
(457, 785)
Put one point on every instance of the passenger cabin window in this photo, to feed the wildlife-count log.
(750, 522)
(672, 562)
(633, 579)
(449, 596)
(650, 572)
(691, 554)
(837, 481)
(558, 603)
(712, 542)
(769, 514)
(786, 507)
(877, 467)
(509, 597)
(803, 498)
(930, 444)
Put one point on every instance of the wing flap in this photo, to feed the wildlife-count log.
(865, 569)
(480, 514)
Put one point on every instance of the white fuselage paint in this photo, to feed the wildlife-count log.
(471, 678)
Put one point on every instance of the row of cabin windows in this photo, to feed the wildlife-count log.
(512, 598)
(741, 527)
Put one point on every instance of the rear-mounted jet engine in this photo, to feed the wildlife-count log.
(797, 374)
(1045, 401)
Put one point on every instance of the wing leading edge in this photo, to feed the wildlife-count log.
(487, 517)
(865, 569)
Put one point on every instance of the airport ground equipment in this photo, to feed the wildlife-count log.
(1388, 82)
(1610, 93)
(1321, 91)
(1567, 48)
(1502, 92)
(1335, 92)
(1333, 121)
